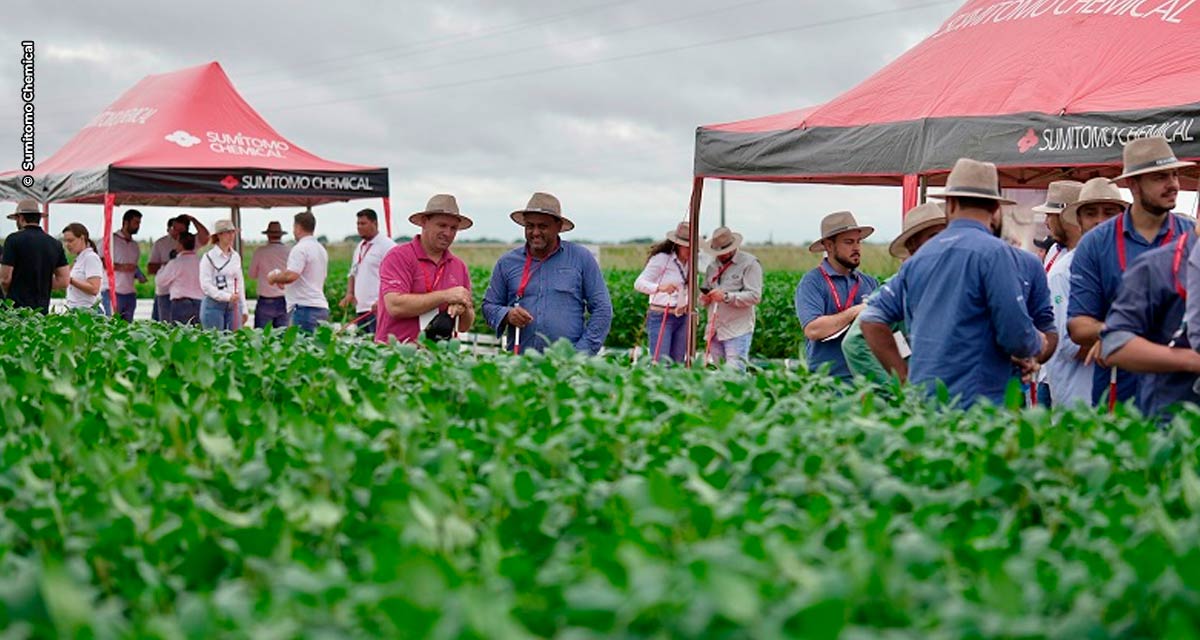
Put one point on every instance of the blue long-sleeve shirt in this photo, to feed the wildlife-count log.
(963, 301)
(1096, 279)
(561, 290)
(1149, 306)
(814, 299)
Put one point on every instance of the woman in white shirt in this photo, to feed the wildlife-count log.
(224, 304)
(666, 279)
(87, 273)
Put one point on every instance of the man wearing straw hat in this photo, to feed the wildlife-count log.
(733, 285)
(34, 263)
(1067, 377)
(1151, 173)
(270, 308)
(830, 297)
(421, 280)
(961, 298)
(362, 291)
(549, 289)
(921, 224)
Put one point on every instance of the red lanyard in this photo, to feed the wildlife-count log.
(1179, 246)
(1121, 239)
(725, 267)
(837, 299)
(1053, 258)
(362, 251)
(437, 276)
(527, 273)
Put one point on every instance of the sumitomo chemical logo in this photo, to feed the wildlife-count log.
(229, 182)
(183, 139)
(239, 144)
(1084, 137)
(285, 182)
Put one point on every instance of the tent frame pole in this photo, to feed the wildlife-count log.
(922, 188)
(694, 286)
(235, 213)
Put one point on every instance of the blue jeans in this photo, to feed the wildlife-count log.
(367, 325)
(674, 336)
(734, 351)
(271, 312)
(215, 314)
(162, 308)
(126, 304)
(184, 311)
(307, 318)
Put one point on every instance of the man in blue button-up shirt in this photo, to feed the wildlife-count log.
(961, 298)
(1152, 174)
(1144, 330)
(830, 297)
(548, 289)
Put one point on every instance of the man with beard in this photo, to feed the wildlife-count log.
(921, 224)
(830, 297)
(961, 298)
(1152, 174)
(1099, 201)
(549, 289)
(125, 256)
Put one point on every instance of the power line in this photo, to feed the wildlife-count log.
(422, 46)
(619, 58)
(491, 56)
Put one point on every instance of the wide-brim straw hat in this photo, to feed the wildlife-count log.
(1095, 191)
(274, 228)
(545, 204)
(724, 241)
(223, 226)
(27, 205)
(681, 235)
(1149, 155)
(442, 204)
(837, 223)
(918, 219)
(973, 179)
(1059, 194)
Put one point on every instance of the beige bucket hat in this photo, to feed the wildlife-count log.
(973, 179)
(223, 226)
(836, 223)
(546, 204)
(1095, 191)
(1149, 155)
(1059, 194)
(681, 235)
(442, 204)
(27, 205)
(723, 241)
(918, 219)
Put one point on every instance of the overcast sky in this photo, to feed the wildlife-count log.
(596, 101)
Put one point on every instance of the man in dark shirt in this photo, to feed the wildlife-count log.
(33, 262)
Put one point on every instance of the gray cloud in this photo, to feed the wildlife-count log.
(490, 100)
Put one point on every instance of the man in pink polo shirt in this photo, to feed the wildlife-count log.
(421, 284)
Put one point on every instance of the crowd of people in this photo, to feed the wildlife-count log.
(1100, 319)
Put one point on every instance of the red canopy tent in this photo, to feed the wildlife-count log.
(187, 138)
(1044, 88)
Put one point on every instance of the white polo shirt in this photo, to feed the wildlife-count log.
(271, 256)
(87, 265)
(160, 252)
(125, 251)
(181, 276)
(364, 268)
(310, 260)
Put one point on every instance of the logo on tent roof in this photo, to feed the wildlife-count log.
(1028, 141)
(230, 182)
(183, 139)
